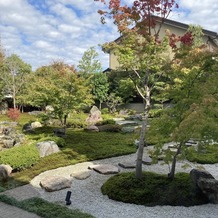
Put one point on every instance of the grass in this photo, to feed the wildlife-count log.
(78, 146)
(153, 189)
(207, 154)
(44, 208)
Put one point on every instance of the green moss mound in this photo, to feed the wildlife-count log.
(153, 189)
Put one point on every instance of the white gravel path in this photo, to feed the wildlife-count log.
(87, 196)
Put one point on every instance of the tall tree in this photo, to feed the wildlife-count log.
(140, 50)
(60, 86)
(89, 63)
(13, 75)
(100, 87)
(194, 93)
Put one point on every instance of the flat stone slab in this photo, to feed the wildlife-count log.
(81, 175)
(147, 161)
(55, 183)
(105, 169)
(127, 165)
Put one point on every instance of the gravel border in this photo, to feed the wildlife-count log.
(87, 197)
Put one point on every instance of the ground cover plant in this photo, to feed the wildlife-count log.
(153, 189)
(77, 146)
(44, 208)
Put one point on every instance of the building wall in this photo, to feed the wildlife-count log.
(179, 31)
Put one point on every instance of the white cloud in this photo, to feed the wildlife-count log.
(42, 31)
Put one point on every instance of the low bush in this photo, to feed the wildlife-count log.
(44, 208)
(13, 114)
(20, 157)
(153, 189)
(205, 154)
(109, 128)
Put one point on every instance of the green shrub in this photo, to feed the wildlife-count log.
(109, 128)
(153, 189)
(2, 189)
(59, 141)
(205, 154)
(20, 157)
(104, 122)
(44, 208)
(105, 111)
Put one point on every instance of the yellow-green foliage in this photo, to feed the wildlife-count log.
(20, 157)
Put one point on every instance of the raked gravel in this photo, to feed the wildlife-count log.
(87, 197)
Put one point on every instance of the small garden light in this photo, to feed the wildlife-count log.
(67, 199)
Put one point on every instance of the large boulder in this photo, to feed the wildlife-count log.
(47, 147)
(205, 183)
(5, 171)
(55, 183)
(94, 116)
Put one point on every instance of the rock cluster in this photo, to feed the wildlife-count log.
(9, 137)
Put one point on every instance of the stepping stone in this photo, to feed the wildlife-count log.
(147, 161)
(81, 175)
(55, 183)
(105, 169)
(127, 165)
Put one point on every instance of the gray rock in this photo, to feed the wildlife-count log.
(47, 147)
(206, 183)
(55, 183)
(27, 127)
(36, 124)
(105, 169)
(94, 115)
(127, 165)
(61, 132)
(5, 171)
(147, 160)
(92, 128)
(9, 143)
(129, 129)
(81, 175)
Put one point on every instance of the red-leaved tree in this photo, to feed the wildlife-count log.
(141, 50)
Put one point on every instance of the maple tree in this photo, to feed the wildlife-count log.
(140, 49)
(194, 93)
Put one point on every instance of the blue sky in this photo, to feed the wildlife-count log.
(42, 31)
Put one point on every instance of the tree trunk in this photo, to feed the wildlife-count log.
(142, 134)
(100, 105)
(171, 174)
(140, 150)
(65, 123)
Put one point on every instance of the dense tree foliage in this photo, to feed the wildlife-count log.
(89, 63)
(13, 75)
(100, 87)
(59, 86)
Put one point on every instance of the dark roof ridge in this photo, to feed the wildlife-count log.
(185, 26)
